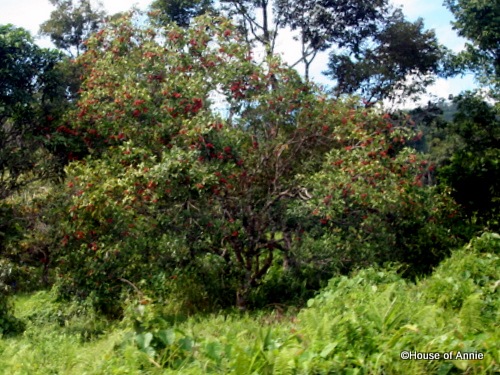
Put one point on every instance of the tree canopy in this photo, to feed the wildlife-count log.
(32, 91)
(397, 61)
(479, 22)
(180, 12)
(71, 23)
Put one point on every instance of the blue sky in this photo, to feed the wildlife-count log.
(31, 13)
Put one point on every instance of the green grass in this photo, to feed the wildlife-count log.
(356, 325)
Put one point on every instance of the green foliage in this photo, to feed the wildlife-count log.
(380, 71)
(343, 25)
(373, 202)
(171, 181)
(9, 324)
(477, 21)
(30, 87)
(357, 324)
(71, 24)
(174, 206)
(472, 170)
(33, 236)
(180, 12)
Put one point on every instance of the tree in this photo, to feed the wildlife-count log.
(210, 182)
(70, 24)
(401, 60)
(32, 96)
(256, 21)
(376, 202)
(172, 182)
(341, 24)
(360, 34)
(321, 24)
(472, 170)
(181, 12)
(33, 99)
(477, 21)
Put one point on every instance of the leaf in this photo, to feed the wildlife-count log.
(186, 343)
(166, 336)
(327, 350)
(143, 340)
(213, 350)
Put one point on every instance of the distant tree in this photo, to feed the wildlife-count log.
(258, 20)
(343, 24)
(397, 61)
(179, 11)
(478, 21)
(473, 170)
(71, 23)
(375, 51)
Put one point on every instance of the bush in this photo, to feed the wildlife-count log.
(9, 324)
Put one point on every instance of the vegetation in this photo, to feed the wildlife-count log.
(170, 203)
(356, 324)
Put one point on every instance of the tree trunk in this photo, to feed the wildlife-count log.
(242, 296)
(289, 261)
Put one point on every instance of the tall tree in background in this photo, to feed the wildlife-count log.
(374, 49)
(479, 22)
(321, 24)
(71, 23)
(400, 60)
(342, 24)
(180, 11)
(258, 20)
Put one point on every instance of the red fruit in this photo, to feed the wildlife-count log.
(227, 32)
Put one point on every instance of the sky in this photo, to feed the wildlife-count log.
(29, 14)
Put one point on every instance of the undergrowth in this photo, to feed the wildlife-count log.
(356, 325)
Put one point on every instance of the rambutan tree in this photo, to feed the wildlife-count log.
(172, 180)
